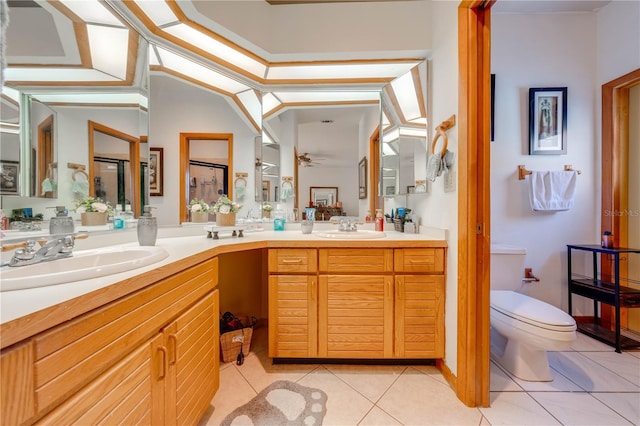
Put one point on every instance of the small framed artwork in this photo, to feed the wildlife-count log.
(156, 171)
(548, 121)
(9, 177)
(362, 178)
(411, 189)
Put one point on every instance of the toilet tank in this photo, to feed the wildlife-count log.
(507, 266)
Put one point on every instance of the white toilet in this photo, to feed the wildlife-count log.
(523, 329)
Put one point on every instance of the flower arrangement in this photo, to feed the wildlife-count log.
(266, 206)
(92, 204)
(224, 206)
(199, 206)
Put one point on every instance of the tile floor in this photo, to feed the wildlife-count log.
(593, 385)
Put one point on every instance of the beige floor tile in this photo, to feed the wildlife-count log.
(418, 399)
(586, 343)
(624, 364)
(234, 392)
(625, 404)
(260, 371)
(516, 408)
(578, 408)
(377, 417)
(501, 381)
(372, 381)
(345, 406)
(432, 371)
(588, 374)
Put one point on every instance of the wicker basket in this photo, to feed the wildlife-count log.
(231, 341)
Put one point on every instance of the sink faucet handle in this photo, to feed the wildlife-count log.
(27, 252)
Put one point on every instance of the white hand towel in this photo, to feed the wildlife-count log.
(552, 190)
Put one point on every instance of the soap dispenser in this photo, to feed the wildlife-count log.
(147, 228)
(61, 223)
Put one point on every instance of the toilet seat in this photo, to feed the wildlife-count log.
(531, 311)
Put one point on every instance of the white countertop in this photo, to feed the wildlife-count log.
(180, 242)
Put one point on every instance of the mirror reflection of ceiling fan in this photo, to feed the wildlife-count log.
(305, 161)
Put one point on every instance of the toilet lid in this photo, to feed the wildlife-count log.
(531, 311)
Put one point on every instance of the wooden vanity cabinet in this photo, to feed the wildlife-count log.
(419, 303)
(149, 358)
(355, 303)
(293, 311)
(370, 303)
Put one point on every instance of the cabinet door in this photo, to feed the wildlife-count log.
(419, 316)
(193, 355)
(293, 316)
(124, 394)
(355, 316)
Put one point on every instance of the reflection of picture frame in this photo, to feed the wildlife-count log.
(548, 121)
(324, 194)
(9, 178)
(390, 190)
(362, 178)
(321, 202)
(156, 171)
(411, 189)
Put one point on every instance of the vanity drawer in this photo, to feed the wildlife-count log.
(425, 260)
(339, 261)
(293, 261)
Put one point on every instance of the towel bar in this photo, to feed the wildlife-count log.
(523, 172)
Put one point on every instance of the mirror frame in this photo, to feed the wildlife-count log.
(134, 158)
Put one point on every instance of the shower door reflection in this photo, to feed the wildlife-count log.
(207, 181)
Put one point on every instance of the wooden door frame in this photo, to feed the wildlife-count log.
(474, 203)
(615, 168)
(185, 139)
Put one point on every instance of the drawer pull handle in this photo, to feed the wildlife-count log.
(292, 261)
(173, 339)
(163, 371)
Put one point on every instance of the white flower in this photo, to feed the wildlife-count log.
(81, 209)
(196, 208)
(99, 207)
(224, 209)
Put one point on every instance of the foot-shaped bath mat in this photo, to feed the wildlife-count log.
(281, 403)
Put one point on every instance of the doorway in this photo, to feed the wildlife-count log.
(197, 148)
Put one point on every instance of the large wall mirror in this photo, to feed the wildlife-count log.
(404, 135)
(57, 93)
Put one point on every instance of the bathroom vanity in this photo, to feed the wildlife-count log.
(143, 346)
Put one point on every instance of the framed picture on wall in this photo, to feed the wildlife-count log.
(362, 178)
(548, 121)
(9, 177)
(156, 171)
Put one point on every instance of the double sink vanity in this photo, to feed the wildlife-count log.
(142, 345)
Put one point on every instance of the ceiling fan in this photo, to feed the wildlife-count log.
(305, 161)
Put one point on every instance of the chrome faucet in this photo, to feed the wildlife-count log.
(56, 248)
(347, 225)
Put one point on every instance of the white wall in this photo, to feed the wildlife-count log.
(543, 50)
(177, 107)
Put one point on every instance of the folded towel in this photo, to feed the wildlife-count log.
(434, 167)
(48, 185)
(286, 193)
(552, 190)
(80, 187)
(240, 192)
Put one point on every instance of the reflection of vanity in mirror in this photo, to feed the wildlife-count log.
(335, 130)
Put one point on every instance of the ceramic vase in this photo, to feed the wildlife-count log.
(199, 217)
(93, 218)
(228, 219)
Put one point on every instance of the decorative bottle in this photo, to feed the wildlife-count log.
(147, 228)
(61, 223)
(379, 220)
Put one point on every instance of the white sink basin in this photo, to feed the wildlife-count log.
(81, 265)
(360, 234)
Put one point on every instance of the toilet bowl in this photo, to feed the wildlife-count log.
(528, 328)
(523, 329)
